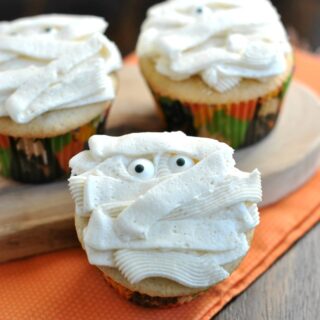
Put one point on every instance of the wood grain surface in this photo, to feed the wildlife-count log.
(290, 290)
(35, 219)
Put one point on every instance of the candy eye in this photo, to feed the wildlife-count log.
(199, 10)
(142, 169)
(180, 163)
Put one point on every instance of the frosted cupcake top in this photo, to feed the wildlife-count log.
(53, 62)
(164, 205)
(222, 41)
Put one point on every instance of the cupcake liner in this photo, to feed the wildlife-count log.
(147, 301)
(238, 124)
(33, 160)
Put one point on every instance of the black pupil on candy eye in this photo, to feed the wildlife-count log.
(47, 29)
(139, 168)
(181, 162)
(199, 10)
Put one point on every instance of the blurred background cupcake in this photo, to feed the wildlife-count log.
(57, 83)
(217, 69)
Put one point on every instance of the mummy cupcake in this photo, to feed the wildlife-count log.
(164, 216)
(57, 82)
(217, 69)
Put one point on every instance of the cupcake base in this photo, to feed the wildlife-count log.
(41, 160)
(237, 124)
(240, 117)
(147, 301)
(151, 292)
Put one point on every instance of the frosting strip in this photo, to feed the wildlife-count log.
(191, 270)
(50, 68)
(222, 42)
(164, 205)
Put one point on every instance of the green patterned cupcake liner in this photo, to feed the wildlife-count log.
(238, 124)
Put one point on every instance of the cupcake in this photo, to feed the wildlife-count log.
(217, 69)
(164, 216)
(57, 83)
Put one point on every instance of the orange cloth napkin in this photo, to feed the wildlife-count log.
(64, 286)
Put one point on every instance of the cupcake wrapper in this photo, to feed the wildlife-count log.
(147, 301)
(32, 160)
(238, 124)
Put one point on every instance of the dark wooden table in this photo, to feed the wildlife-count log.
(290, 290)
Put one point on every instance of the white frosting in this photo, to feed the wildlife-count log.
(53, 62)
(222, 41)
(183, 217)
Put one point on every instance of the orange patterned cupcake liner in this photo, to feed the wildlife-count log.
(238, 124)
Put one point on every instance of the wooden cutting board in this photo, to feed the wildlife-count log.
(39, 218)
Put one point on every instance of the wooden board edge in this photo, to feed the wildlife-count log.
(30, 238)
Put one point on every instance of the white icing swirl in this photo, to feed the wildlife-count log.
(183, 219)
(53, 62)
(222, 41)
